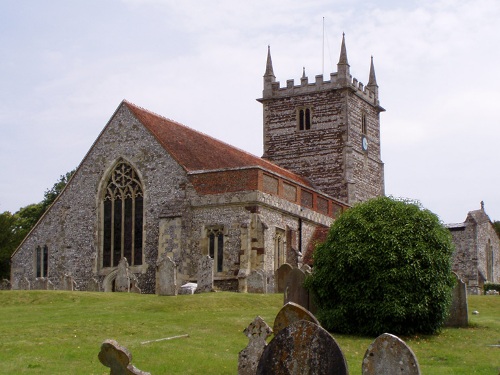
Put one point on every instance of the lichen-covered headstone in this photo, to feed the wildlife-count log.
(166, 276)
(5, 285)
(294, 289)
(281, 276)
(205, 275)
(257, 332)
(459, 311)
(256, 282)
(291, 313)
(389, 355)
(118, 359)
(122, 281)
(302, 348)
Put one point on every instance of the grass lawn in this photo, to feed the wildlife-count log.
(55, 332)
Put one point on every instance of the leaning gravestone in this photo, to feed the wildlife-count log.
(118, 359)
(459, 314)
(205, 275)
(281, 276)
(257, 332)
(294, 289)
(302, 348)
(256, 282)
(389, 355)
(93, 285)
(291, 313)
(166, 276)
(122, 281)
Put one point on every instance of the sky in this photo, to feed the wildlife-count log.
(66, 66)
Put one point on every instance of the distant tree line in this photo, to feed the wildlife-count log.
(15, 227)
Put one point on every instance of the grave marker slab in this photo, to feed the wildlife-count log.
(302, 348)
(257, 332)
(166, 276)
(256, 282)
(291, 313)
(389, 355)
(205, 275)
(281, 276)
(122, 280)
(118, 359)
(459, 312)
(294, 289)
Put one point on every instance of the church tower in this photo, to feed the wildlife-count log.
(327, 131)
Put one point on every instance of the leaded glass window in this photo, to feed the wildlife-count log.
(42, 261)
(216, 247)
(122, 217)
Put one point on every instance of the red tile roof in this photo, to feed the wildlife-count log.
(196, 151)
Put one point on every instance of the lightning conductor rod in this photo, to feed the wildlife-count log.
(323, 50)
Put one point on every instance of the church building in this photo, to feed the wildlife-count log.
(150, 187)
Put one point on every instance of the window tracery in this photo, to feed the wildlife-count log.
(122, 217)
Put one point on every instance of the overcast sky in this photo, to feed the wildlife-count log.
(65, 67)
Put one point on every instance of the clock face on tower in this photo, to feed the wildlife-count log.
(364, 143)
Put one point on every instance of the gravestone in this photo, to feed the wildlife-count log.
(122, 280)
(118, 359)
(24, 284)
(389, 355)
(42, 283)
(281, 276)
(67, 282)
(291, 313)
(256, 282)
(166, 276)
(294, 289)
(302, 348)
(306, 268)
(93, 285)
(257, 332)
(5, 285)
(205, 275)
(188, 288)
(459, 314)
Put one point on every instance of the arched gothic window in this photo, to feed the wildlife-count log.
(122, 217)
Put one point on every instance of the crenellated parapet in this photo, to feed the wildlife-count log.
(273, 90)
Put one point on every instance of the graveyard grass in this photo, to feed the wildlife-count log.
(56, 332)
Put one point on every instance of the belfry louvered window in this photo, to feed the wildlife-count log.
(122, 217)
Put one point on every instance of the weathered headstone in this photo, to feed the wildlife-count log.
(94, 285)
(302, 348)
(459, 312)
(291, 313)
(67, 282)
(40, 283)
(5, 285)
(24, 284)
(294, 289)
(188, 288)
(118, 359)
(281, 276)
(122, 280)
(389, 355)
(256, 282)
(257, 332)
(166, 276)
(205, 274)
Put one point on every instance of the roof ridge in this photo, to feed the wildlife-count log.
(259, 160)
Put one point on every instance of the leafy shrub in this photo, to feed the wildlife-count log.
(491, 286)
(385, 267)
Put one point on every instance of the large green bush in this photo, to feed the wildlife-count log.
(385, 267)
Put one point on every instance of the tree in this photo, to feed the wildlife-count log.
(13, 228)
(385, 267)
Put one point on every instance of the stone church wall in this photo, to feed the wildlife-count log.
(70, 228)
